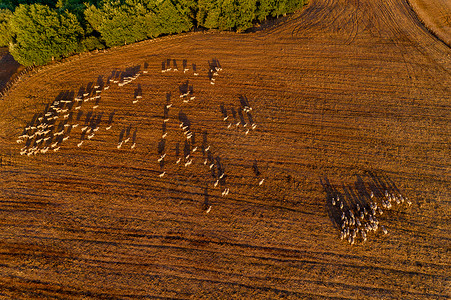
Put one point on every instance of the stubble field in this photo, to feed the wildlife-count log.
(347, 98)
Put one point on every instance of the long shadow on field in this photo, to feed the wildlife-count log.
(183, 118)
(371, 193)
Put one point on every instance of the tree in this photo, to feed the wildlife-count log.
(40, 34)
(5, 33)
(120, 23)
(168, 19)
(237, 14)
(208, 13)
(264, 8)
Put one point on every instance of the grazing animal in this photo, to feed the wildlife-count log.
(261, 181)
(208, 209)
(162, 174)
(162, 157)
(79, 144)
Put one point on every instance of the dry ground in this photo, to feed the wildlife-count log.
(347, 95)
(436, 15)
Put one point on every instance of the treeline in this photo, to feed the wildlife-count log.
(37, 32)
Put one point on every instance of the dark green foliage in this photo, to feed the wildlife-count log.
(240, 14)
(40, 34)
(40, 30)
(122, 22)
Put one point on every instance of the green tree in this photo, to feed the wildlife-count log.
(264, 8)
(237, 14)
(5, 33)
(168, 19)
(122, 23)
(40, 34)
(208, 13)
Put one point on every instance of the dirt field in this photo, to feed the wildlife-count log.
(349, 98)
(436, 16)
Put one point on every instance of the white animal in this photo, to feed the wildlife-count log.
(162, 157)
(261, 181)
(162, 174)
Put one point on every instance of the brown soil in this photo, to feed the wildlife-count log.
(436, 15)
(349, 97)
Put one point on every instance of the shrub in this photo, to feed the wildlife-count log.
(40, 34)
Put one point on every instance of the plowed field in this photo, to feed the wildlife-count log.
(344, 99)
